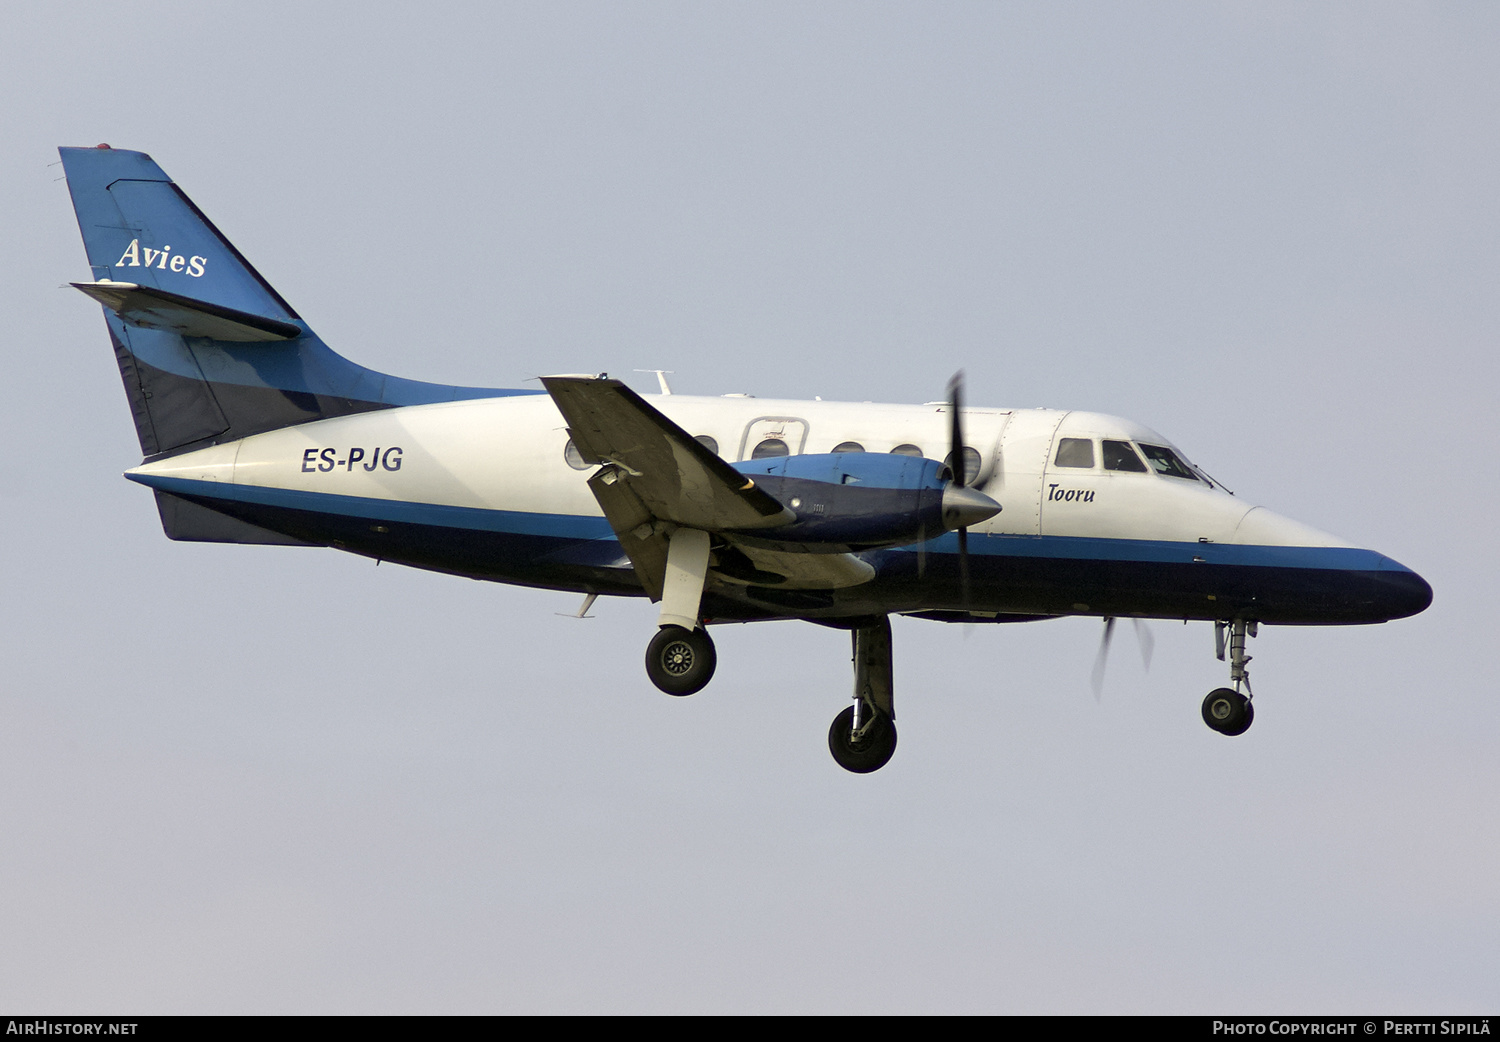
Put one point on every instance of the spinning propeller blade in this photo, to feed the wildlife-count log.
(1142, 635)
(1146, 640)
(1102, 657)
(956, 429)
(961, 506)
(960, 468)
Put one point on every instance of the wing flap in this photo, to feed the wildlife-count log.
(809, 571)
(639, 535)
(644, 540)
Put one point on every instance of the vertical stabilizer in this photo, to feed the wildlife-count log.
(207, 349)
(139, 227)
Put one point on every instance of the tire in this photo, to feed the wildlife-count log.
(871, 753)
(1228, 712)
(1249, 719)
(680, 661)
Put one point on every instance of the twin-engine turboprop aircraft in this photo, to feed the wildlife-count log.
(722, 509)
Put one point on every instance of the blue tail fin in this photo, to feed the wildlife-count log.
(208, 350)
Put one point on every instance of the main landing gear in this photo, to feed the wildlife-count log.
(1229, 710)
(681, 661)
(863, 737)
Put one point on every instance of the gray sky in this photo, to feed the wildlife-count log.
(254, 779)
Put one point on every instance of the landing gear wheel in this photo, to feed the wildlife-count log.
(874, 748)
(680, 661)
(1228, 712)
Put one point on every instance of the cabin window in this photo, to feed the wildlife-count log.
(1118, 455)
(907, 450)
(971, 464)
(574, 457)
(708, 443)
(848, 446)
(1164, 461)
(769, 448)
(1075, 452)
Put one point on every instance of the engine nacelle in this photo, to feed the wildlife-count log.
(848, 501)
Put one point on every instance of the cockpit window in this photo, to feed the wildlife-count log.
(1164, 461)
(1075, 452)
(1118, 455)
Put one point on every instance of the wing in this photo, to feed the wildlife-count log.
(655, 475)
(677, 479)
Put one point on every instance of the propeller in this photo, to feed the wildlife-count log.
(962, 506)
(1143, 637)
(960, 472)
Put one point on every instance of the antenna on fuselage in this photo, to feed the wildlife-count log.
(661, 378)
(582, 613)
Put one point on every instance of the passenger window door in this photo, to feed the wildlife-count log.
(764, 432)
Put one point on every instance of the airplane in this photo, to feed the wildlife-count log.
(721, 509)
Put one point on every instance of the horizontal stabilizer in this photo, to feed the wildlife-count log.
(153, 308)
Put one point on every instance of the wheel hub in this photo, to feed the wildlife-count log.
(678, 659)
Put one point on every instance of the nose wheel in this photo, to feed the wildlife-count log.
(1227, 710)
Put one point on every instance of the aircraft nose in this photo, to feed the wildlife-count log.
(1403, 592)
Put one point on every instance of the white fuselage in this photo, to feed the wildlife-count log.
(508, 454)
(488, 488)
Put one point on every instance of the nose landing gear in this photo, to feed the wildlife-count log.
(1229, 710)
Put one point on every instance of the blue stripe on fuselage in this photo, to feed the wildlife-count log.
(1162, 551)
(571, 526)
(477, 519)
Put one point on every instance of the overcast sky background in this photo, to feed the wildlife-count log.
(258, 779)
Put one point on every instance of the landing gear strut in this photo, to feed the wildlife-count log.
(680, 658)
(863, 737)
(1229, 710)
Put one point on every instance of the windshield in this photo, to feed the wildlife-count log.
(1118, 455)
(1164, 461)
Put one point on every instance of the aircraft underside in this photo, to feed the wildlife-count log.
(1011, 578)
